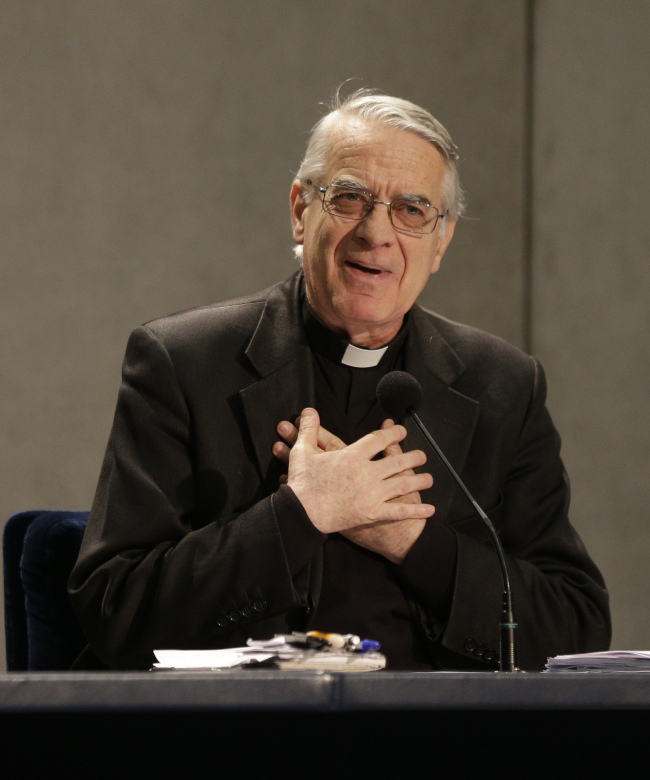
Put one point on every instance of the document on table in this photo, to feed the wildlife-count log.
(274, 652)
(606, 661)
(209, 659)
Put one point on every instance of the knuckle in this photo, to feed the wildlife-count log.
(402, 511)
(404, 484)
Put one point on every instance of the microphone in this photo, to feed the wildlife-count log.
(400, 394)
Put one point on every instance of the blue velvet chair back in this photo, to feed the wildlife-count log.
(39, 550)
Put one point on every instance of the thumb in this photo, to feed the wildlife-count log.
(308, 429)
(392, 449)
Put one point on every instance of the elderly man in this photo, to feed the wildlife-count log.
(199, 538)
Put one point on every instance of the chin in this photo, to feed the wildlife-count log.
(367, 317)
(371, 310)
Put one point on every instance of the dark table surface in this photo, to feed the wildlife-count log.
(263, 723)
(264, 690)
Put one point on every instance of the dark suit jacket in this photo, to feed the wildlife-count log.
(183, 548)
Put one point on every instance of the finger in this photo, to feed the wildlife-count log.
(281, 452)
(409, 498)
(288, 432)
(308, 431)
(392, 449)
(391, 465)
(398, 511)
(404, 485)
(377, 441)
(328, 441)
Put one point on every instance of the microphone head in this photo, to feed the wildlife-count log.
(398, 392)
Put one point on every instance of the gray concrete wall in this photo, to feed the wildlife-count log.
(146, 152)
(591, 278)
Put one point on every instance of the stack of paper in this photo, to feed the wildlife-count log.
(209, 659)
(610, 661)
(276, 652)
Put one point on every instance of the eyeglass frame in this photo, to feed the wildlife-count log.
(323, 190)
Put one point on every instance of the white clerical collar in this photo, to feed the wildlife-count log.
(357, 357)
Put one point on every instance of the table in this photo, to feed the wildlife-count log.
(170, 724)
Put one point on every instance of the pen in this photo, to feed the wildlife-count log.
(337, 641)
(349, 642)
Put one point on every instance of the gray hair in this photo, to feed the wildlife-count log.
(372, 106)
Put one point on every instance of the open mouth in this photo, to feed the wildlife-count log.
(366, 269)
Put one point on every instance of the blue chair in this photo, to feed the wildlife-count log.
(39, 550)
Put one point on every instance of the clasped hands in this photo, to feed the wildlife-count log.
(374, 503)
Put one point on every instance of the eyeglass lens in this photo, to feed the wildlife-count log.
(355, 204)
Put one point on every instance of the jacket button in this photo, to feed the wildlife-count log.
(222, 621)
(479, 650)
(260, 606)
(234, 616)
(489, 654)
(246, 611)
(469, 645)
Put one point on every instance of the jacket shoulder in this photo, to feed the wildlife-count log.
(477, 348)
(230, 323)
(226, 316)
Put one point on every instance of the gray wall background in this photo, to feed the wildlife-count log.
(146, 151)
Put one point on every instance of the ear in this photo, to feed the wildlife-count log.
(298, 207)
(444, 242)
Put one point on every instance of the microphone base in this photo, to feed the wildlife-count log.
(508, 656)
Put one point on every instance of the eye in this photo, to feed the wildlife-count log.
(350, 196)
(409, 209)
(349, 203)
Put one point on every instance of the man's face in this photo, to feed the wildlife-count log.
(362, 277)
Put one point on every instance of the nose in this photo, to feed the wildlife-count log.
(376, 227)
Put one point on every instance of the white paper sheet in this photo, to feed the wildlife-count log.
(606, 661)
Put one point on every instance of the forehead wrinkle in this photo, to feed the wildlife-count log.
(365, 156)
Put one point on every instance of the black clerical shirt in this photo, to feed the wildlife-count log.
(362, 592)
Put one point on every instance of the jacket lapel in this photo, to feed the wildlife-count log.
(449, 416)
(279, 353)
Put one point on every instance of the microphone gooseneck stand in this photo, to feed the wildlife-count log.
(400, 393)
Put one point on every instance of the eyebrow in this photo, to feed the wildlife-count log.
(353, 185)
(415, 199)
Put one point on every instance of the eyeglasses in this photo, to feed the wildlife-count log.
(410, 214)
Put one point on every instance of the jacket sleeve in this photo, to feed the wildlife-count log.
(153, 571)
(560, 599)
